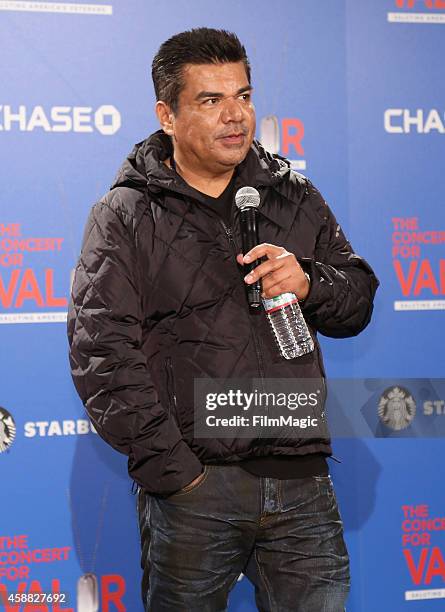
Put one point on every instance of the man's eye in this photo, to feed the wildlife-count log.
(246, 97)
(211, 101)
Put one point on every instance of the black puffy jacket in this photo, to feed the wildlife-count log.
(158, 300)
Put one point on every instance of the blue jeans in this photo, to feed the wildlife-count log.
(286, 536)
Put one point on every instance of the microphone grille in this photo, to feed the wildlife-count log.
(247, 197)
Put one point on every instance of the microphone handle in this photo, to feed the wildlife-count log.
(249, 235)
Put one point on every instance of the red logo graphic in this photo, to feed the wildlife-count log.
(424, 563)
(112, 590)
(283, 136)
(416, 274)
(16, 557)
(293, 133)
(429, 4)
(20, 286)
(15, 564)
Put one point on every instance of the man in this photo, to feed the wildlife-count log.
(159, 300)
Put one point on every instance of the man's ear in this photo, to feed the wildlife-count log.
(165, 116)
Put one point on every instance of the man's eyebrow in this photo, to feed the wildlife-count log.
(217, 94)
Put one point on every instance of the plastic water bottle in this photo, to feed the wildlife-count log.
(288, 325)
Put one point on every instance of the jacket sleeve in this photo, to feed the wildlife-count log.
(109, 369)
(343, 285)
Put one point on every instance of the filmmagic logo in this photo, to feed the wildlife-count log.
(261, 420)
(7, 430)
(418, 11)
(397, 408)
(80, 119)
(418, 121)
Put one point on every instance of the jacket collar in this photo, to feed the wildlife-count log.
(144, 168)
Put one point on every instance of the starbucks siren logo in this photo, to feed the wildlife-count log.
(7, 429)
(397, 408)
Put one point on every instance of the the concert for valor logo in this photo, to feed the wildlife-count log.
(7, 429)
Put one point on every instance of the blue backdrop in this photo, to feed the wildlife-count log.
(355, 91)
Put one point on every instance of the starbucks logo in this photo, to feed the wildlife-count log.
(7, 430)
(397, 408)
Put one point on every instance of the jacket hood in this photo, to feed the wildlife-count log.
(145, 167)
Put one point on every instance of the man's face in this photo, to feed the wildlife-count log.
(214, 125)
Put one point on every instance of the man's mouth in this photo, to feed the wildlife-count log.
(235, 138)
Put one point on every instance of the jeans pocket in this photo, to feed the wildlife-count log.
(298, 493)
(191, 488)
(325, 486)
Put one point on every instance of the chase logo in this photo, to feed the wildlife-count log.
(397, 408)
(418, 11)
(81, 119)
(420, 121)
(7, 430)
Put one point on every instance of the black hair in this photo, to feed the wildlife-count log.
(196, 46)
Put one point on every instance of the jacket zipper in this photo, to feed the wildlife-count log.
(171, 391)
(228, 231)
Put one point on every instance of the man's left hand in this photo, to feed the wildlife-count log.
(281, 273)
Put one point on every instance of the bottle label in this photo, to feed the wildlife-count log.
(280, 301)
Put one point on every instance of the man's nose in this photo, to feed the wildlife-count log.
(232, 110)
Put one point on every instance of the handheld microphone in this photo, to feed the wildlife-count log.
(247, 200)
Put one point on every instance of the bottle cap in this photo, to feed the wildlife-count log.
(254, 297)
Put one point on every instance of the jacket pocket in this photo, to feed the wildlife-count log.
(171, 391)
